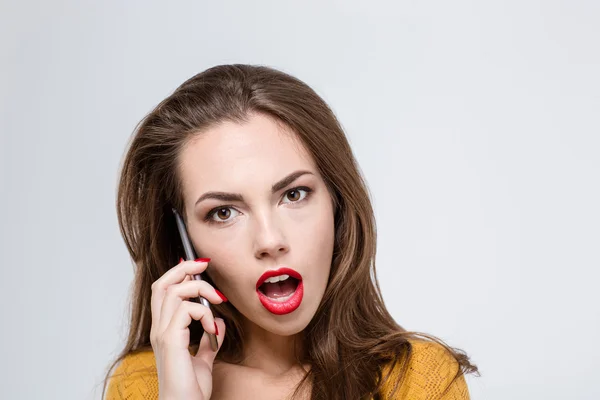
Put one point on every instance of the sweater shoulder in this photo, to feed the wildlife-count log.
(135, 377)
(429, 375)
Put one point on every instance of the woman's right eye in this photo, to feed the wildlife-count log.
(220, 215)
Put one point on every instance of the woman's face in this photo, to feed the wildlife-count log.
(255, 202)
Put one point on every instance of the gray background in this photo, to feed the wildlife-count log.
(475, 123)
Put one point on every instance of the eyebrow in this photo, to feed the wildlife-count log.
(223, 196)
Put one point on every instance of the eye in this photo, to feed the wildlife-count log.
(220, 214)
(295, 195)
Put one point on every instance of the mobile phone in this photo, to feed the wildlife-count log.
(190, 254)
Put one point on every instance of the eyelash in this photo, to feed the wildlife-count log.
(209, 215)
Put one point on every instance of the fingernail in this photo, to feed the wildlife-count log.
(202, 259)
(180, 260)
(221, 295)
(216, 328)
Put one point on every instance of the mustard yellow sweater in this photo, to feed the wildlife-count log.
(431, 368)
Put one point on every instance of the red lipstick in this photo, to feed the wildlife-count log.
(289, 304)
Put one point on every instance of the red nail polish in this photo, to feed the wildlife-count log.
(202, 259)
(221, 295)
(216, 328)
(180, 260)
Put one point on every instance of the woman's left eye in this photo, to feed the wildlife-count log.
(295, 195)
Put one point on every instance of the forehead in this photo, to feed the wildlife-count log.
(230, 156)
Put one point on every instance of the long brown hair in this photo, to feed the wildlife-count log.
(352, 334)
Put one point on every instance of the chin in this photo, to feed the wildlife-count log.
(288, 324)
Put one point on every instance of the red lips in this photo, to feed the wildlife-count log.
(277, 272)
(281, 307)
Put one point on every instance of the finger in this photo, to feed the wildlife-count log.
(178, 272)
(182, 318)
(205, 352)
(176, 294)
(175, 275)
(158, 292)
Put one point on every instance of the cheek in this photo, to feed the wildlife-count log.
(230, 280)
(314, 235)
(224, 268)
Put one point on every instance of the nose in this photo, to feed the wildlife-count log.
(269, 239)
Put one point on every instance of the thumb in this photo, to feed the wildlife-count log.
(205, 352)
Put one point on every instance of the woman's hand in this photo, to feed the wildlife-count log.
(182, 376)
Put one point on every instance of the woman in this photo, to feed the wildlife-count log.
(265, 180)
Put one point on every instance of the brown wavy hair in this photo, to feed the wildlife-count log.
(352, 335)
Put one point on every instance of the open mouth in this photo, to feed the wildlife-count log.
(280, 291)
(280, 288)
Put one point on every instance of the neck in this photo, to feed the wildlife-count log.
(269, 352)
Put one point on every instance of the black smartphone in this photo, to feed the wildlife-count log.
(190, 254)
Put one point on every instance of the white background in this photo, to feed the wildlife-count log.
(475, 123)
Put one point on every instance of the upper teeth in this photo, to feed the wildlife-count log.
(275, 279)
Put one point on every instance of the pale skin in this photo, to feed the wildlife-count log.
(289, 227)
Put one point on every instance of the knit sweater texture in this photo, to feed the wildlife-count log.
(429, 375)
